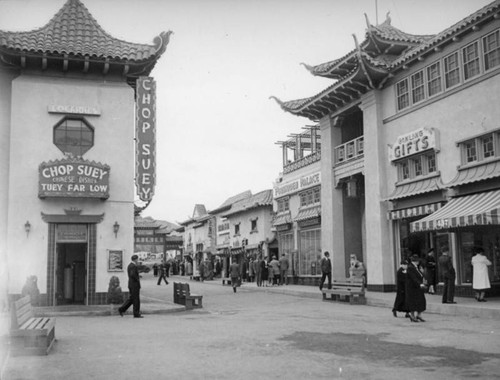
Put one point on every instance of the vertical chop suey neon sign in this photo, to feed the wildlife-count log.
(145, 134)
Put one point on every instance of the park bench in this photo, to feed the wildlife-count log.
(350, 289)
(226, 280)
(30, 335)
(183, 296)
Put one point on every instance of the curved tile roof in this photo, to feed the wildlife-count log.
(388, 32)
(264, 198)
(489, 9)
(375, 63)
(73, 31)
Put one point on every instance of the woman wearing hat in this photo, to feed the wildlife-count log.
(400, 301)
(480, 278)
(415, 290)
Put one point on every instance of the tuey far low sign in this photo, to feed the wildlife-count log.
(70, 178)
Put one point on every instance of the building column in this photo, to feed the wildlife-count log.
(332, 222)
(379, 246)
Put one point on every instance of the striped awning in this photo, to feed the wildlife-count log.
(411, 212)
(308, 213)
(470, 210)
(282, 219)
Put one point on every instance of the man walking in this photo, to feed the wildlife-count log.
(448, 274)
(134, 286)
(234, 272)
(258, 271)
(163, 273)
(326, 271)
(284, 265)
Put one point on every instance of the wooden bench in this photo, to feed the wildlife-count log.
(226, 280)
(30, 335)
(183, 296)
(350, 289)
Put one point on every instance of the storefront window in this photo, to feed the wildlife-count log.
(286, 245)
(310, 252)
(489, 239)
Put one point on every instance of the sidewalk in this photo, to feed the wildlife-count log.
(467, 307)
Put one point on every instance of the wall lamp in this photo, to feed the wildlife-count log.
(116, 228)
(27, 227)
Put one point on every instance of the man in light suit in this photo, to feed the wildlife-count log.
(134, 286)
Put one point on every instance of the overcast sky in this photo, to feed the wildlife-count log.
(216, 126)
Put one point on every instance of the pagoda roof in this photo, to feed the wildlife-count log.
(384, 51)
(74, 35)
(261, 199)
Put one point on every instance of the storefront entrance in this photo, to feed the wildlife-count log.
(71, 273)
(71, 264)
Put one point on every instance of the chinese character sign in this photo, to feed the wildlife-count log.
(145, 138)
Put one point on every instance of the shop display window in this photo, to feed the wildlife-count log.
(310, 252)
(489, 239)
(286, 246)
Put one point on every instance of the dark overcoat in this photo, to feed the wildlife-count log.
(415, 296)
(400, 301)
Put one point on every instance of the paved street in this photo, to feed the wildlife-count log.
(258, 334)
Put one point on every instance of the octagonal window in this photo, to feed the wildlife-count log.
(74, 136)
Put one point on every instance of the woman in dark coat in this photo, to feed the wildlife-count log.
(415, 290)
(400, 301)
(430, 270)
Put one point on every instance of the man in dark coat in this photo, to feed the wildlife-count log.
(326, 271)
(163, 273)
(415, 290)
(134, 286)
(447, 272)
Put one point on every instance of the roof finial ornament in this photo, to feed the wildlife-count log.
(388, 18)
(367, 21)
(308, 67)
(276, 99)
(356, 41)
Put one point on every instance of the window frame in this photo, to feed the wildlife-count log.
(462, 65)
(406, 167)
(477, 143)
(471, 64)
(486, 51)
(83, 122)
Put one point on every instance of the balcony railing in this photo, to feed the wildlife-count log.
(351, 150)
(300, 163)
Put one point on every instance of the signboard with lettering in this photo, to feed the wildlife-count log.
(413, 143)
(73, 177)
(71, 233)
(73, 109)
(299, 184)
(145, 135)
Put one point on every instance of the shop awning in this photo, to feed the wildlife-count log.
(308, 213)
(413, 188)
(411, 212)
(282, 219)
(470, 210)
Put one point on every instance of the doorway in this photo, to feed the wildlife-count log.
(71, 273)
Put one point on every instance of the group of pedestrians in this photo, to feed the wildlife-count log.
(272, 273)
(414, 279)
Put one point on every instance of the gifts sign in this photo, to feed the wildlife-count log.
(145, 135)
